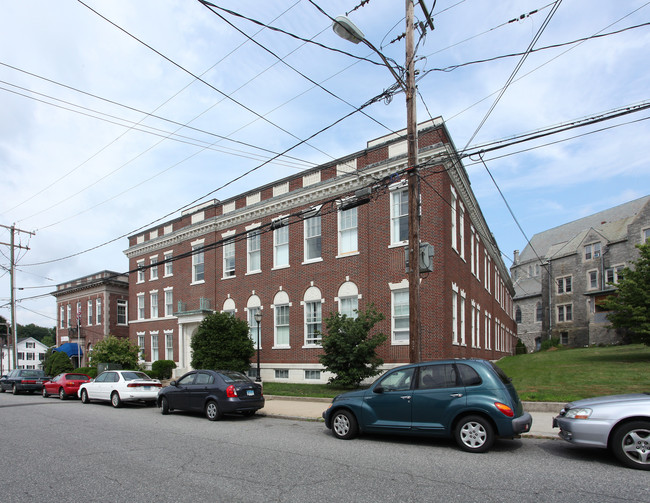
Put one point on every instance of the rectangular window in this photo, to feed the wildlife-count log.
(282, 373)
(348, 231)
(90, 312)
(122, 311)
(140, 271)
(30, 345)
(565, 313)
(461, 229)
(348, 306)
(313, 322)
(169, 264)
(592, 251)
(564, 285)
(141, 345)
(646, 235)
(169, 302)
(473, 324)
(154, 268)
(154, 348)
(472, 249)
(312, 375)
(462, 319)
(593, 279)
(69, 315)
(229, 259)
(198, 263)
(169, 346)
(153, 297)
(98, 304)
(254, 251)
(313, 238)
(399, 211)
(281, 246)
(478, 326)
(454, 233)
(400, 308)
(141, 312)
(30, 356)
(454, 317)
(614, 274)
(282, 326)
(62, 317)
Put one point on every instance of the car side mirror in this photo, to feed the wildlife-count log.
(173, 383)
(378, 389)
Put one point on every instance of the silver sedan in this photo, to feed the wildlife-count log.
(618, 422)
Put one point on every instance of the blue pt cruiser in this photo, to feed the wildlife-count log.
(471, 400)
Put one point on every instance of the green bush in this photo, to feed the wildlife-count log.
(520, 349)
(550, 343)
(91, 371)
(56, 362)
(162, 369)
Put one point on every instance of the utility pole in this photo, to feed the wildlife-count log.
(415, 336)
(12, 273)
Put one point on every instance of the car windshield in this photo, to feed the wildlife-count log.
(130, 376)
(232, 376)
(76, 377)
(32, 373)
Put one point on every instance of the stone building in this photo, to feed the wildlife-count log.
(563, 273)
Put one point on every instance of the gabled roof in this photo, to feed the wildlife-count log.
(566, 239)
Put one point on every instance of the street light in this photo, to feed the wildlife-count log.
(346, 29)
(258, 319)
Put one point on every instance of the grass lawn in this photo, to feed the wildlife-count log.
(550, 376)
(571, 374)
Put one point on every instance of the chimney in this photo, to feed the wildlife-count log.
(516, 261)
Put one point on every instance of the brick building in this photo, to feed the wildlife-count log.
(303, 247)
(91, 308)
(563, 273)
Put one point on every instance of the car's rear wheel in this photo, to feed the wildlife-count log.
(474, 434)
(116, 401)
(62, 394)
(344, 425)
(631, 444)
(84, 396)
(164, 406)
(2, 390)
(45, 393)
(14, 389)
(212, 411)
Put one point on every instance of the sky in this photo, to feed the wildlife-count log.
(115, 115)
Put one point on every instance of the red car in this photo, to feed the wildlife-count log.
(64, 385)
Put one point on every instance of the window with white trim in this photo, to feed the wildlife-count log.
(461, 229)
(140, 266)
(454, 233)
(614, 274)
(122, 311)
(478, 326)
(472, 248)
(312, 375)
(154, 268)
(61, 317)
(169, 302)
(454, 315)
(141, 312)
(154, 347)
(69, 315)
(281, 246)
(90, 312)
(313, 238)
(98, 305)
(153, 297)
(400, 316)
(592, 279)
(169, 264)
(564, 285)
(473, 324)
(313, 322)
(253, 327)
(198, 263)
(348, 306)
(463, 340)
(282, 336)
(169, 345)
(229, 259)
(488, 319)
(399, 211)
(348, 241)
(254, 261)
(646, 235)
(141, 345)
(592, 251)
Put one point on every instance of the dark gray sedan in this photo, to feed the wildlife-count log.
(19, 380)
(213, 392)
(618, 422)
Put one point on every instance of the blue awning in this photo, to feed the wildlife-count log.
(69, 348)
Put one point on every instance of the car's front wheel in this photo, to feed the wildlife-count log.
(474, 434)
(344, 425)
(164, 406)
(84, 396)
(212, 411)
(14, 389)
(631, 444)
(116, 401)
(45, 393)
(62, 394)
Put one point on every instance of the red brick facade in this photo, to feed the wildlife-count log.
(371, 273)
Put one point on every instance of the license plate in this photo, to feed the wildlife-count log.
(146, 388)
(250, 392)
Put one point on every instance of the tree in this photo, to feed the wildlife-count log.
(222, 342)
(56, 362)
(350, 351)
(115, 350)
(34, 331)
(630, 305)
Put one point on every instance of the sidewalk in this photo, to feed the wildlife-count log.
(311, 409)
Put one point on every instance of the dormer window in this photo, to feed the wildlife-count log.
(592, 251)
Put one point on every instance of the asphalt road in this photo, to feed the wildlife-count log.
(64, 451)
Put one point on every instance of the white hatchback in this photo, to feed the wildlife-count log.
(118, 386)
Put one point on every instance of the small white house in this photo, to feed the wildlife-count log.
(31, 354)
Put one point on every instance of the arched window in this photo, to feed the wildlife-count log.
(280, 308)
(313, 316)
(518, 314)
(348, 299)
(253, 306)
(538, 312)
